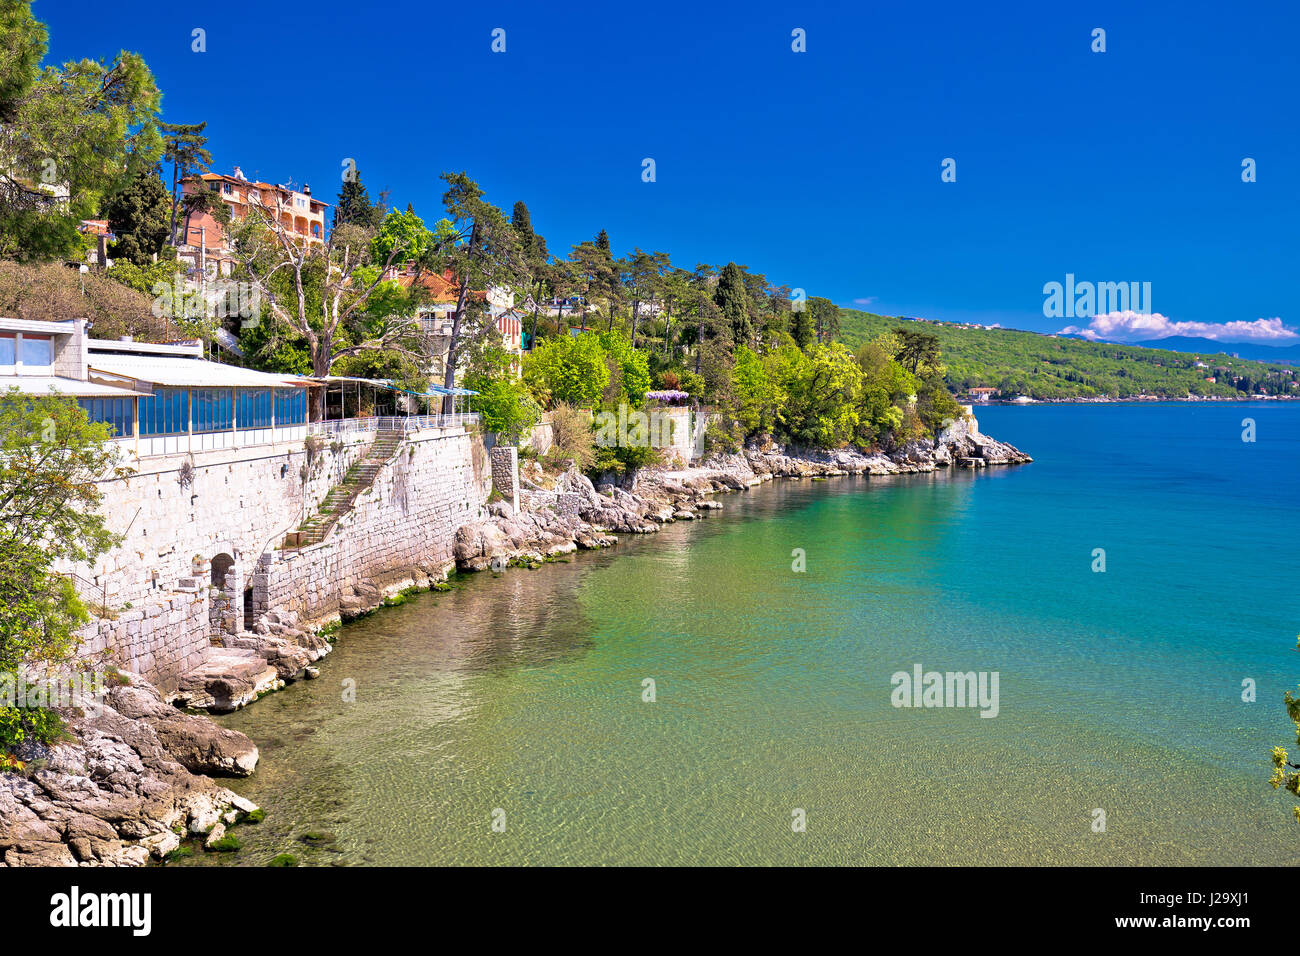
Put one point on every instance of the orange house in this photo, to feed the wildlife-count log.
(204, 242)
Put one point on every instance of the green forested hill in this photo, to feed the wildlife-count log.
(1044, 366)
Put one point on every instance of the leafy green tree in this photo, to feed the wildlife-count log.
(629, 371)
(399, 234)
(186, 148)
(570, 369)
(50, 460)
(822, 389)
(1286, 774)
(886, 386)
(138, 217)
(82, 131)
(758, 397)
(503, 400)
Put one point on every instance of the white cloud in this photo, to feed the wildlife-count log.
(867, 301)
(1143, 327)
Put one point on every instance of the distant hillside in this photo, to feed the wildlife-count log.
(1285, 354)
(1045, 366)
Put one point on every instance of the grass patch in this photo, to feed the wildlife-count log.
(284, 859)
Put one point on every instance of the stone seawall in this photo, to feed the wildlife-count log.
(399, 532)
(202, 535)
(166, 636)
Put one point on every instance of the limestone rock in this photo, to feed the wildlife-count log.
(112, 794)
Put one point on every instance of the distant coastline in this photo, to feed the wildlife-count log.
(1133, 400)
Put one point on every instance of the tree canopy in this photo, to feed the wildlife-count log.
(74, 135)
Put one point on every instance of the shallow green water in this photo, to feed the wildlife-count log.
(1121, 691)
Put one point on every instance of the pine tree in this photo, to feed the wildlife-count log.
(522, 222)
(185, 147)
(354, 206)
(825, 317)
(139, 217)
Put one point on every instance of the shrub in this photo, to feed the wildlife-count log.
(20, 725)
(571, 436)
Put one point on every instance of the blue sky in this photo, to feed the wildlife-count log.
(819, 169)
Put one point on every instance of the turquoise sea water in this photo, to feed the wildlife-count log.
(1119, 691)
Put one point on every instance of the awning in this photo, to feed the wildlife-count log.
(434, 391)
(44, 384)
(188, 372)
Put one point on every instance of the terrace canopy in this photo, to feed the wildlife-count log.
(344, 393)
(441, 392)
(75, 388)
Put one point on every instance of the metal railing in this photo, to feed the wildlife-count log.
(397, 423)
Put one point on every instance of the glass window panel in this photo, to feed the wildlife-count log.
(35, 352)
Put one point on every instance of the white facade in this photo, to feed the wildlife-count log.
(158, 399)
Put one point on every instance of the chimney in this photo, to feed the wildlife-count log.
(306, 189)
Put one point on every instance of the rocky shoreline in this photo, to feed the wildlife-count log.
(559, 516)
(132, 781)
(129, 785)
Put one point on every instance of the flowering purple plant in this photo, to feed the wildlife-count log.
(668, 395)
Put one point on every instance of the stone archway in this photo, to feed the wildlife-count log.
(226, 604)
(221, 565)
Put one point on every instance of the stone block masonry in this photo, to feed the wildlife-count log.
(399, 532)
(200, 539)
(505, 473)
(165, 637)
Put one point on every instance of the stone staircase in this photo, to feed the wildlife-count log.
(342, 496)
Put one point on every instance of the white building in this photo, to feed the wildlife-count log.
(159, 399)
